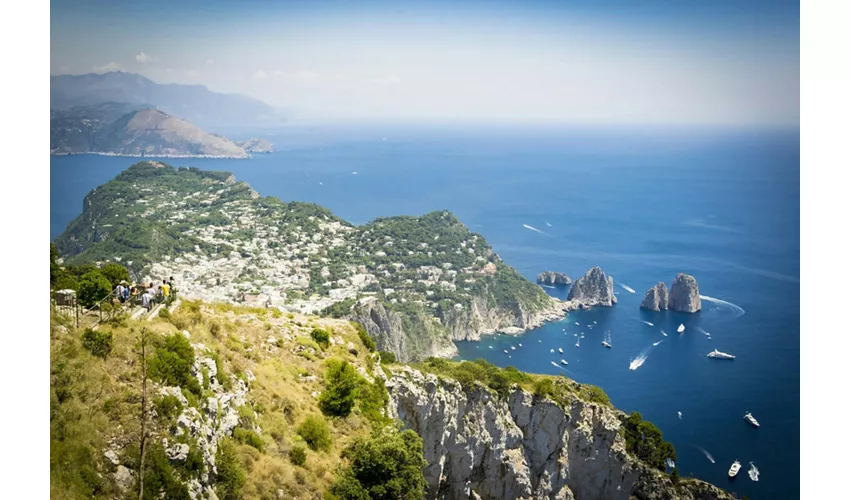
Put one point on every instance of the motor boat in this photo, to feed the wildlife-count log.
(720, 355)
(681, 328)
(751, 419)
(733, 471)
(564, 362)
(560, 350)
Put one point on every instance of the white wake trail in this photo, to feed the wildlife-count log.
(706, 453)
(641, 358)
(626, 288)
(535, 229)
(647, 322)
(738, 310)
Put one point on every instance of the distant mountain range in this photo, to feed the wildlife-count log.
(193, 103)
(123, 129)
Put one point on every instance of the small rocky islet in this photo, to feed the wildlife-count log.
(683, 296)
(553, 278)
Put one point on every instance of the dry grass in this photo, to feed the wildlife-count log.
(104, 402)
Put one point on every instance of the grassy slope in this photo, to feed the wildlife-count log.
(100, 399)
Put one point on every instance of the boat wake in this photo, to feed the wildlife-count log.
(547, 286)
(663, 332)
(626, 288)
(550, 225)
(641, 358)
(723, 304)
(655, 344)
(706, 453)
(535, 229)
(647, 322)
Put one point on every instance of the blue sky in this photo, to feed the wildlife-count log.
(712, 62)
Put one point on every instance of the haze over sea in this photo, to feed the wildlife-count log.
(644, 205)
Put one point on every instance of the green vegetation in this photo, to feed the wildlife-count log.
(321, 337)
(365, 338)
(97, 343)
(249, 437)
(373, 399)
(298, 455)
(231, 472)
(472, 373)
(341, 388)
(386, 466)
(387, 357)
(172, 363)
(168, 407)
(93, 288)
(314, 431)
(644, 440)
(161, 480)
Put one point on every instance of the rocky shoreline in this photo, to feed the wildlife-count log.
(107, 153)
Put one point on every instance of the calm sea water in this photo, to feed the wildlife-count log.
(722, 206)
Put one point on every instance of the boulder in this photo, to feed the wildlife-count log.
(177, 452)
(684, 294)
(656, 298)
(552, 278)
(124, 478)
(593, 289)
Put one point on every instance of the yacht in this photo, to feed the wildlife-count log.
(564, 362)
(577, 341)
(560, 350)
(513, 348)
(733, 471)
(552, 350)
(720, 355)
(607, 341)
(520, 345)
(681, 328)
(554, 364)
(753, 472)
(749, 418)
(606, 344)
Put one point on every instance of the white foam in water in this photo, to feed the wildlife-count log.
(550, 225)
(641, 358)
(534, 229)
(647, 323)
(723, 304)
(626, 288)
(654, 344)
(706, 453)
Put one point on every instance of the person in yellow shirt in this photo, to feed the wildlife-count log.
(165, 290)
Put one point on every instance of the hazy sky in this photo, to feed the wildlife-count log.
(711, 62)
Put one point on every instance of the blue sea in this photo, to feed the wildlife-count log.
(722, 205)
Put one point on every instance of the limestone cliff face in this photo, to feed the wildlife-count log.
(409, 338)
(593, 289)
(684, 294)
(484, 318)
(656, 298)
(481, 446)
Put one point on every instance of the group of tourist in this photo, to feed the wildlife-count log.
(150, 294)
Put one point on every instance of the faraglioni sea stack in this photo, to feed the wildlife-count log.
(552, 278)
(593, 289)
(656, 298)
(684, 294)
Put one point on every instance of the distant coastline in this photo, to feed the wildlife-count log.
(105, 153)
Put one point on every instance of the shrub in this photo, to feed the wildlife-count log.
(168, 407)
(298, 455)
(543, 388)
(160, 480)
(93, 288)
(165, 314)
(314, 431)
(215, 328)
(341, 382)
(248, 437)
(231, 473)
(594, 394)
(387, 357)
(115, 273)
(321, 337)
(386, 466)
(645, 441)
(172, 363)
(97, 343)
(373, 399)
(364, 337)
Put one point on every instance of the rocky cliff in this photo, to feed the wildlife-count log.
(254, 145)
(483, 446)
(593, 289)
(656, 298)
(552, 278)
(684, 294)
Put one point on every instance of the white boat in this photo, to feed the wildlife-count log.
(680, 415)
(581, 337)
(720, 355)
(554, 364)
(670, 463)
(513, 348)
(733, 471)
(594, 322)
(564, 362)
(663, 333)
(560, 350)
(490, 346)
(607, 341)
(753, 472)
(681, 328)
(751, 419)
(606, 344)
(577, 341)
(552, 350)
(577, 323)
(506, 351)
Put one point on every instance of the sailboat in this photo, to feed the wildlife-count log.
(607, 341)
(577, 342)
